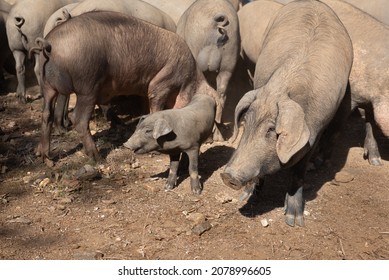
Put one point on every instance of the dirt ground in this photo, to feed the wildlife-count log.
(119, 210)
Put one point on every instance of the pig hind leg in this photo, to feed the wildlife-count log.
(381, 116)
(371, 151)
(195, 184)
(82, 114)
(20, 74)
(50, 96)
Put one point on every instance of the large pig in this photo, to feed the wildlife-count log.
(300, 80)
(58, 17)
(369, 82)
(25, 23)
(6, 59)
(175, 131)
(211, 30)
(99, 55)
(175, 8)
(136, 8)
(252, 27)
(376, 8)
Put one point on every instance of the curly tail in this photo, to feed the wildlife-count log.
(42, 46)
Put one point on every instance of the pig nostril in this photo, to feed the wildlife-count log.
(231, 182)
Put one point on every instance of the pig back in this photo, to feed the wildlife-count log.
(307, 54)
(120, 51)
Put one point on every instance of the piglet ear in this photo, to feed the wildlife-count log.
(161, 128)
(292, 129)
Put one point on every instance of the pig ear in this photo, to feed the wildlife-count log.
(161, 128)
(292, 129)
(242, 106)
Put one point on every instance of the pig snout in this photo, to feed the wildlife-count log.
(131, 145)
(238, 178)
(230, 181)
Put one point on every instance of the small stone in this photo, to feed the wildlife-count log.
(87, 172)
(4, 169)
(201, 228)
(343, 177)
(196, 218)
(21, 220)
(44, 182)
(223, 198)
(135, 164)
(306, 213)
(61, 207)
(151, 188)
(264, 223)
(65, 200)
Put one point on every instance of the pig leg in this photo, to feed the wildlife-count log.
(193, 156)
(371, 151)
(61, 120)
(222, 81)
(36, 68)
(20, 74)
(50, 96)
(381, 115)
(82, 114)
(172, 178)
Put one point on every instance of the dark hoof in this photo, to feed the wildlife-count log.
(231, 182)
(292, 220)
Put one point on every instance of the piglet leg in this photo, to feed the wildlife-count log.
(195, 184)
(172, 179)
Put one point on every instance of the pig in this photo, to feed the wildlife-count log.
(137, 8)
(211, 30)
(369, 84)
(300, 80)
(379, 9)
(6, 59)
(99, 55)
(177, 131)
(369, 88)
(252, 28)
(175, 8)
(57, 17)
(24, 24)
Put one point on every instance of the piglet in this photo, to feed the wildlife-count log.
(175, 131)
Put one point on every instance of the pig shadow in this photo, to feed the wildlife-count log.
(209, 161)
(272, 194)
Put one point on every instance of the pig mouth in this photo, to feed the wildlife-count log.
(231, 182)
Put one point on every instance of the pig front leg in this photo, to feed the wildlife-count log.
(195, 184)
(172, 178)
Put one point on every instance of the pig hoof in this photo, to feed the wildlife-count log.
(292, 220)
(197, 190)
(169, 187)
(375, 161)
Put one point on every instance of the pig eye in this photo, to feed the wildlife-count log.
(149, 131)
